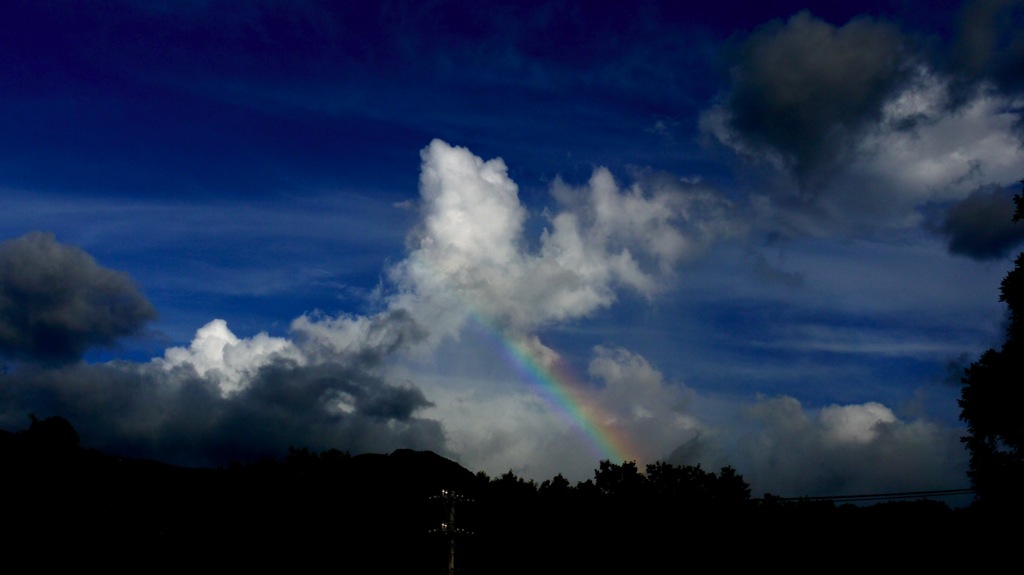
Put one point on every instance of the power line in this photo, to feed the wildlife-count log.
(883, 496)
(448, 528)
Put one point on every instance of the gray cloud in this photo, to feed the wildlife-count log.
(179, 417)
(789, 449)
(56, 301)
(990, 43)
(222, 397)
(368, 340)
(865, 125)
(980, 226)
(804, 90)
(696, 450)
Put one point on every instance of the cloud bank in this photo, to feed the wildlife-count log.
(378, 382)
(845, 449)
(868, 128)
(222, 398)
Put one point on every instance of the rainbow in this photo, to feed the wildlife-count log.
(559, 387)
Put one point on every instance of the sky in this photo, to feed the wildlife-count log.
(528, 236)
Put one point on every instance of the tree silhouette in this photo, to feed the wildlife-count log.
(619, 480)
(557, 486)
(692, 486)
(990, 403)
(51, 434)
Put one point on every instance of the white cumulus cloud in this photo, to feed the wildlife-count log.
(470, 255)
(219, 355)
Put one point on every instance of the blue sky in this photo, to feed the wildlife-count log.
(764, 236)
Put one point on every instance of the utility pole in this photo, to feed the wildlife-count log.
(448, 528)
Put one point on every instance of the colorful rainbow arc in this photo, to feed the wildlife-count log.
(560, 389)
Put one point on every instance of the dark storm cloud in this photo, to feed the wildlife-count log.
(383, 335)
(285, 385)
(981, 227)
(321, 406)
(56, 301)
(179, 417)
(990, 43)
(803, 90)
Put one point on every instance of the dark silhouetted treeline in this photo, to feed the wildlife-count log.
(67, 505)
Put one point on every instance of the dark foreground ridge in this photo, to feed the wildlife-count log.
(68, 505)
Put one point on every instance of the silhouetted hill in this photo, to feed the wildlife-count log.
(66, 504)
(419, 473)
